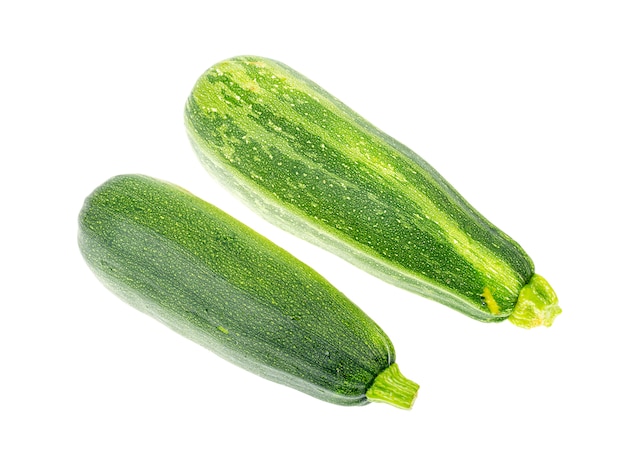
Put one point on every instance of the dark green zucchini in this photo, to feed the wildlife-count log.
(217, 282)
(317, 169)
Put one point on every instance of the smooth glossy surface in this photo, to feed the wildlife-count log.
(217, 282)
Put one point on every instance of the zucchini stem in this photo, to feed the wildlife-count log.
(391, 387)
(537, 305)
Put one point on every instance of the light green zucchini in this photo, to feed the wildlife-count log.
(314, 167)
(217, 282)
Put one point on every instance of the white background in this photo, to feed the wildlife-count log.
(520, 105)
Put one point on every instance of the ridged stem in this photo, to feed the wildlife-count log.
(537, 305)
(391, 387)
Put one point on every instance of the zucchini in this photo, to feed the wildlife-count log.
(312, 166)
(217, 282)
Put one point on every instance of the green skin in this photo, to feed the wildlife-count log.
(217, 282)
(312, 166)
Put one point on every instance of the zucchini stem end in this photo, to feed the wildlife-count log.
(391, 387)
(537, 305)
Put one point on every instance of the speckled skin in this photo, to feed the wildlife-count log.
(312, 166)
(217, 282)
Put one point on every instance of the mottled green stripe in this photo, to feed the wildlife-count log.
(298, 145)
